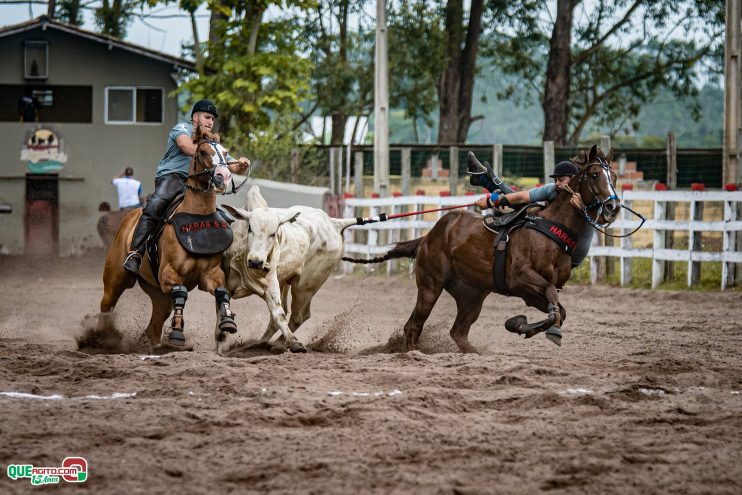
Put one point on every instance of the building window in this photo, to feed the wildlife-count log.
(131, 105)
(35, 60)
(46, 103)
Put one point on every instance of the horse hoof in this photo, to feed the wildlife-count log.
(297, 346)
(554, 335)
(228, 326)
(177, 338)
(513, 324)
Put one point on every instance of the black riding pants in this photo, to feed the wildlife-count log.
(167, 187)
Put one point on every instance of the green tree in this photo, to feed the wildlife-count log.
(114, 16)
(614, 59)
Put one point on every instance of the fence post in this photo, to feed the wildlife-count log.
(358, 174)
(453, 170)
(658, 266)
(497, 159)
(339, 152)
(373, 236)
(348, 234)
(672, 184)
(548, 160)
(729, 244)
(625, 263)
(406, 171)
(332, 170)
(694, 237)
(605, 144)
(294, 165)
(609, 266)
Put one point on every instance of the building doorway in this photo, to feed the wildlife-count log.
(41, 218)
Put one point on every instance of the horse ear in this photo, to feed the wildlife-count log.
(238, 213)
(592, 154)
(255, 199)
(609, 156)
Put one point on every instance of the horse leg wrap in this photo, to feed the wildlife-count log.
(532, 329)
(180, 295)
(226, 316)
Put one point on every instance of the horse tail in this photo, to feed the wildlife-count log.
(405, 249)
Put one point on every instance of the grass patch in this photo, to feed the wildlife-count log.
(641, 275)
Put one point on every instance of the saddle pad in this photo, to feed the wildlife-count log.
(555, 231)
(202, 234)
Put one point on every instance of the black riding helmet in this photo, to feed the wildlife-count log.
(565, 169)
(205, 106)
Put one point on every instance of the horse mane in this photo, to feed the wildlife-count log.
(208, 136)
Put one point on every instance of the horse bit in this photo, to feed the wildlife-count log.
(600, 203)
(210, 171)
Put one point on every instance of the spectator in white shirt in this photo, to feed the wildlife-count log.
(129, 189)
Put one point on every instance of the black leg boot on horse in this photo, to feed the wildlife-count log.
(176, 338)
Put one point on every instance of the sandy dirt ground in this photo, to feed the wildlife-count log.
(642, 397)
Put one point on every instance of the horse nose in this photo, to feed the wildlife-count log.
(218, 181)
(253, 263)
(611, 208)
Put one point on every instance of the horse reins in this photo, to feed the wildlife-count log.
(210, 172)
(600, 203)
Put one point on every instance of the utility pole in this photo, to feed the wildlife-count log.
(381, 104)
(732, 173)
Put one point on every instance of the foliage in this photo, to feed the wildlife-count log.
(271, 154)
(114, 18)
(623, 53)
(257, 74)
(343, 57)
(69, 11)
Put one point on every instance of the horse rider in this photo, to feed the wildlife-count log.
(563, 173)
(172, 173)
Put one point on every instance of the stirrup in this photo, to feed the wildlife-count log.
(132, 262)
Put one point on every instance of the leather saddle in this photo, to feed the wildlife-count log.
(200, 235)
(496, 221)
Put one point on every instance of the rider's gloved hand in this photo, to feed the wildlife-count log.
(496, 200)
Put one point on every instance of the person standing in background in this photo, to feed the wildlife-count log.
(129, 189)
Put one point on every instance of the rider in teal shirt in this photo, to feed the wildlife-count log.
(563, 173)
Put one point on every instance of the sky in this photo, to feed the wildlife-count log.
(165, 35)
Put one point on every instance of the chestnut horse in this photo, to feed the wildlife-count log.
(179, 271)
(458, 254)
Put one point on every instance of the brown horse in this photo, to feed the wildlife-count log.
(179, 271)
(458, 254)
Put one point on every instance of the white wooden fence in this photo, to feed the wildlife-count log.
(381, 235)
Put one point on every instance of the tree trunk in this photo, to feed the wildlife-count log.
(456, 83)
(340, 115)
(218, 22)
(51, 7)
(338, 127)
(556, 91)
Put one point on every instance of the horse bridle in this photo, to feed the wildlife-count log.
(599, 203)
(210, 171)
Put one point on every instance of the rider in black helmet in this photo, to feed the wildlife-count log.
(172, 173)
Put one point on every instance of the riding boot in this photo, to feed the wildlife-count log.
(144, 229)
(167, 188)
(479, 174)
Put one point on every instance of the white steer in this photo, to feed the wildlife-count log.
(277, 249)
